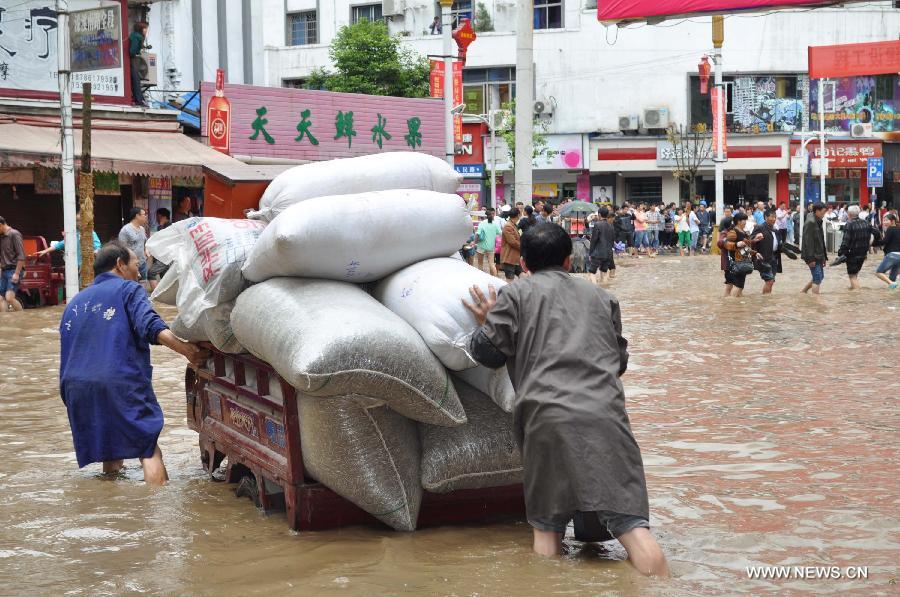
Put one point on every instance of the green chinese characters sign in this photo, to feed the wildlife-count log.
(317, 125)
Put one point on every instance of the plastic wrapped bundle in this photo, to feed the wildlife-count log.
(211, 263)
(213, 325)
(481, 453)
(365, 453)
(166, 292)
(356, 238)
(330, 338)
(376, 172)
(428, 296)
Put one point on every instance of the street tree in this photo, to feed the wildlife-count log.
(483, 20)
(691, 149)
(368, 60)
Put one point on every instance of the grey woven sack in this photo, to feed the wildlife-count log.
(212, 325)
(481, 453)
(364, 452)
(330, 338)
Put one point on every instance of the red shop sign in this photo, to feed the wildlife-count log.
(849, 154)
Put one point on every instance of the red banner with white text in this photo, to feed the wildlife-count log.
(636, 10)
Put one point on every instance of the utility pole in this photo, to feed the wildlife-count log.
(86, 191)
(524, 99)
(446, 27)
(718, 38)
(67, 159)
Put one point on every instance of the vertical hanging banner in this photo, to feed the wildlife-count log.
(718, 116)
(436, 78)
(457, 100)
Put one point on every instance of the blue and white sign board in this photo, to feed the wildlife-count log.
(470, 169)
(875, 173)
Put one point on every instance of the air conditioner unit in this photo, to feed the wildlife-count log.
(631, 122)
(146, 67)
(543, 108)
(656, 118)
(861, 130)
(393, 8)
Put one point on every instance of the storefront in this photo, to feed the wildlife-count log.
(558, 173)
(846, 181)
(641, 170)
(133, 167)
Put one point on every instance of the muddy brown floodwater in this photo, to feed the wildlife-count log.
(768, 427)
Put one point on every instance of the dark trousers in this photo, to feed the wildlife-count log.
(137, 94)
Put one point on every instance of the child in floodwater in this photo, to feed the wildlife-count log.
(577, 448)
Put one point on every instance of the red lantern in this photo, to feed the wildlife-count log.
(704, 67)
(464, 35)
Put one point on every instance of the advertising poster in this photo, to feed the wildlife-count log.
(28, 52)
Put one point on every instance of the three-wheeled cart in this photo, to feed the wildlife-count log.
(245, 412)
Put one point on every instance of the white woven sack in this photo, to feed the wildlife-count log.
(376, 172)
(330, 338)
(365, 453)
(428, 296)
(481, 453)
(359, 238)
(494, 383)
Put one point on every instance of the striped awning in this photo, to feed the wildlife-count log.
(146, 153)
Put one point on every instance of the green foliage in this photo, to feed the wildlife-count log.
(538, 137)
(482, 18)
(368, 60)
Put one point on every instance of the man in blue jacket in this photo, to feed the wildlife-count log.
(105, 377)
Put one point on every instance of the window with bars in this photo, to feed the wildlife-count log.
(294, 83)
(301, 28)
(486, 89)
(369, 12)
(548, 14)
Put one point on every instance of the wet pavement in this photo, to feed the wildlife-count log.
(768, 427)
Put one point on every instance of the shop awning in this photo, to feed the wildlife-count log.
(146, 153)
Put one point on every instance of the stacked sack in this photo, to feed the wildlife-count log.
(343, 285)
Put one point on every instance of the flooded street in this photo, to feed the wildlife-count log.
(768, 427)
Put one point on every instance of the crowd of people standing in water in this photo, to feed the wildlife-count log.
(751, 238)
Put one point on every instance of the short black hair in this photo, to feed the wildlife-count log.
(889, 216)
(2, 221)
(529, 210)
(604, 213)
(548, 208)
(769, 212)
(108, 255)
(513, 214)
(545, 245)
(818, 206)
(738, 217)
(162, 211)
(487, 209)
(135, 211)
(726, 223)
